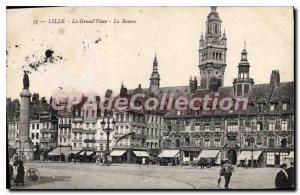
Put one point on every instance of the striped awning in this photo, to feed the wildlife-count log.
(169, 154)
(248, 155)
(209, 154)
(141, 153)
(59, 150)
(117, 152)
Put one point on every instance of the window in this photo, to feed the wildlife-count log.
(271, 126)
(65, 140)
(259, 141)
(284, 124)
(32, 126)
(74, 145)
(270, 158)
(284, 106)
(272, 107)
(246, 88)
(177, 144)
(283, 156)
(283, 143)
(217, 128)
(232, 127)
(197, 126)
(217, 143)
(37, 126)
(271, 142)
(32, 135)
(259, 126)
(206, 143)
(239, 89)
(207, 127)
(37, 135)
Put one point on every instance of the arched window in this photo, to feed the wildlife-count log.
(216, 29)
(220, 56)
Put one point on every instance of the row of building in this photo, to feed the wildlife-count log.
(263, 132)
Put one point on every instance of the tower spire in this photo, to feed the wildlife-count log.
(155, 78)
(212, 52)
(243, 82)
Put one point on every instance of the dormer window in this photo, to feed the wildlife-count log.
(284, 106)
(272, 107)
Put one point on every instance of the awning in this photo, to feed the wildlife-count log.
(73, 151)
(209, 154)
(88, 153)
(57, 151)
(247, 155)
(117, 152)
(169, 154)
(291, 155)
(141, 153)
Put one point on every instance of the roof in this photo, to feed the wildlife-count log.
(259, 94)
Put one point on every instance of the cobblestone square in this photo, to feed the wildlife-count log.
(93, 176)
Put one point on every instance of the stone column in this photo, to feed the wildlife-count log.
(26, 146)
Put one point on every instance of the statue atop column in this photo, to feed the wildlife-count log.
(25, 81)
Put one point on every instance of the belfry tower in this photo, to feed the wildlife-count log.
(154, 79)
(212, 52)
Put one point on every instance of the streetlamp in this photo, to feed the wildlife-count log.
(108, 130)
(252, 142)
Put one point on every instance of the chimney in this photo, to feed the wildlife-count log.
(275, 78)
(193, 85)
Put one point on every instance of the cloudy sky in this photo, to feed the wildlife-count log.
(94, 57)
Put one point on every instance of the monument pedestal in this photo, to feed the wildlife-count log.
(26, 146)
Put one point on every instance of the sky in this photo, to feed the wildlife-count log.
(93, 57)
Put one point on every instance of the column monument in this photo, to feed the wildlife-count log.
(26, 147)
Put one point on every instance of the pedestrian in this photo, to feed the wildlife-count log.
(20, 174)
(246, 163)
(291, 175)
(16, 162)
(11, 171)
(282, 178)
(226, 171)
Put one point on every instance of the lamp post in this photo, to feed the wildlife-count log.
(252, 142)
(108, 129)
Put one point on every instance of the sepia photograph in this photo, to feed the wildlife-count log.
(150, 98)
